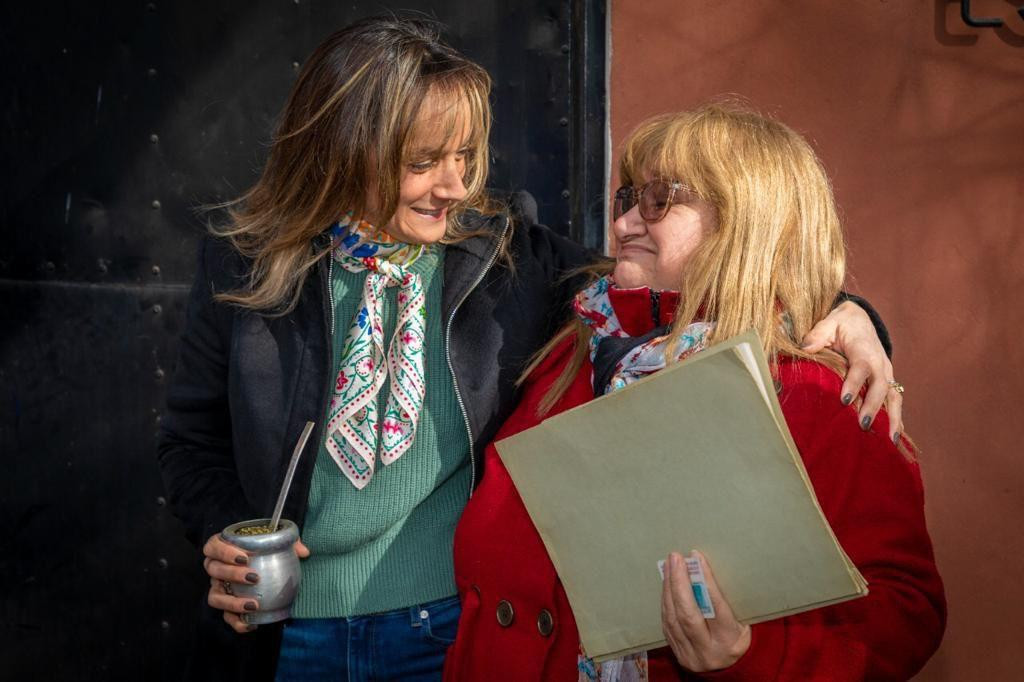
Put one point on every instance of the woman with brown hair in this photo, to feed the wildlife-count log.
(368, 284)
(726, 219)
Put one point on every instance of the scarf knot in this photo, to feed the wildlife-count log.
(356, 430)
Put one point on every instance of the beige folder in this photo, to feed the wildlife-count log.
(697, 456)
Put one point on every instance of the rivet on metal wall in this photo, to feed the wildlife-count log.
(565, 194)
(151, 73)
(565, 49)
(49, 266)
(161, 501)
(159, 374)
(295, 66)
(156, 204)
(154, 138)
(156, 270)
(157, 309)
(101, 265)
(563, 121)
(165, 626)
(162, 562)
(151, 6)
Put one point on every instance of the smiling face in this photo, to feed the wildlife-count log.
(433, 173)
(655, 254)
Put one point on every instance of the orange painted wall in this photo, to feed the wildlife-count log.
(920, 122)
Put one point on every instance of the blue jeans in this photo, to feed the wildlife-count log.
(406, 644)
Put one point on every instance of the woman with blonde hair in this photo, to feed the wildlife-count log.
(368, 284)
(725, 222)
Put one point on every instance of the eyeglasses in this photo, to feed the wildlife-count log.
(655, 198)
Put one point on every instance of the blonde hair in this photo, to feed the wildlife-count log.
(776, 260)
(345, 134)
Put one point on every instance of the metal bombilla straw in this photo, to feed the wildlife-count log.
(289, 475)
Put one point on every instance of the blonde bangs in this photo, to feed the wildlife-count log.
(666, 147)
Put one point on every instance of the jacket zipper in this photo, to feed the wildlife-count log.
(656, 307)
(448, 354)
(330, 298)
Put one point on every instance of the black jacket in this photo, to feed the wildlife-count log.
(245, 385)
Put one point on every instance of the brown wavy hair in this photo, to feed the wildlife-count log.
(344, 137)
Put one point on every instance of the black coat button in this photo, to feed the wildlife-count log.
(505, 613)
(545, 623)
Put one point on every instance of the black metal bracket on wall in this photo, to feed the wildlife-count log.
(588, 151)
(982, 22)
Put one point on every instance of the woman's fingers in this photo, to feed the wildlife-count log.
(216, 548)
(301, 550)
(688, 614)
(878, 388)
(670, 625)
(232, 574)
(894, 403)
(216, 564)
(856, 377)
(877, 374)
(237, 624)
(232, 606)
(219, 598)
(731, 637)
(724, 621)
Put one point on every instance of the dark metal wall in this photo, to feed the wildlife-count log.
(119, 118)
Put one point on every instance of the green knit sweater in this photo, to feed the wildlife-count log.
(389, 545)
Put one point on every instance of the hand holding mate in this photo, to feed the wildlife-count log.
(227, 564)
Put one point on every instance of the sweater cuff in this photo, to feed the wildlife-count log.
(762, 659)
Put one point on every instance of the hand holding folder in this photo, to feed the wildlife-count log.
(697, 456)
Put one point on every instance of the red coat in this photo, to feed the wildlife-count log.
(871, 495)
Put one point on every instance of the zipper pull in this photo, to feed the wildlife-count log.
(656, 307)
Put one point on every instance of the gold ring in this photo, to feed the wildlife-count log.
(227, 587)
(896, 386)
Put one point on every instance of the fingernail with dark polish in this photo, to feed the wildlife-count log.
(865, 423)
(252, 578)
(896, 438)
(251, 606)
(847, 399)
(241, 560)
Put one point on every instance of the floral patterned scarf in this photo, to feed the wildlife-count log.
(354, 425)
(594, 308)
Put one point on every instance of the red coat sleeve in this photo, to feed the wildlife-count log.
(873, 498)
